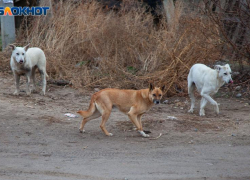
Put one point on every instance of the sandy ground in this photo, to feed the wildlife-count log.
(38, 142)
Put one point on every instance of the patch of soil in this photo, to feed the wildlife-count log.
(51, 120)
(187, 123)
(38, 142)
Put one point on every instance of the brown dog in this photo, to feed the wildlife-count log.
(132, 102)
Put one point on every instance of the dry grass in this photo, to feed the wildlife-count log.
(93, 47)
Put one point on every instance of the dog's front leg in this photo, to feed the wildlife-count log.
(213, 102)
(33, 75)
(28, 92)
(139, 121)
(17, 80)
(133, 117)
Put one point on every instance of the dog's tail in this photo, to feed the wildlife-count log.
(91, 109)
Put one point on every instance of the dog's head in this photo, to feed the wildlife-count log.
(224, 72)
(19, 53)
(155, 93)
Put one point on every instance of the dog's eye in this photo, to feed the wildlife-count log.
(154, 95)
(23, 54)
(160, 95)
(17, 54)
(225, 73)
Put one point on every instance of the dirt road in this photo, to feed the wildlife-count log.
(38, 142)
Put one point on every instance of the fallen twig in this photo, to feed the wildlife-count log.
(156, 137)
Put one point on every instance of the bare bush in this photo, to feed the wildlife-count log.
(93, 47)
(232, 19)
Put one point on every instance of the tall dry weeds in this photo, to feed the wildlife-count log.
(93, 47)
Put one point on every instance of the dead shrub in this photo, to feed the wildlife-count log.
(92, 47)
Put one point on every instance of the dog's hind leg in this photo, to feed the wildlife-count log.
(105, 117)
(105, 110)
(43, 77)
(95, 115)
(17, 81)
(191, 87)
(202, 106)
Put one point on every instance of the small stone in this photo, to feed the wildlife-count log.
(96, 89)
(238, 95)
(171, 118)
(191, 142)
(237, 88)
(165, 102)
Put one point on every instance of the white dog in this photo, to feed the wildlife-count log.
(25, 61)
(207, 81)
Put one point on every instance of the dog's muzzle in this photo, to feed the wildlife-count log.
(21, 61)
(231, 81)
(155, 101)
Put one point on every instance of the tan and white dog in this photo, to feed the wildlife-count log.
(132, 102)
(25, 61)
(207, 81)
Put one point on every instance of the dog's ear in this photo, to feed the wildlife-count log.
(162, 88)
(151, 86)
(12, 46)
(217, 67)
(26, 47)
(227, 65)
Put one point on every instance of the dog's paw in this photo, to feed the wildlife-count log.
(216, 108)
(28, 93)
(143, 134)
(110, 134)
(191, 111)
(81, 131)
(202, 112)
